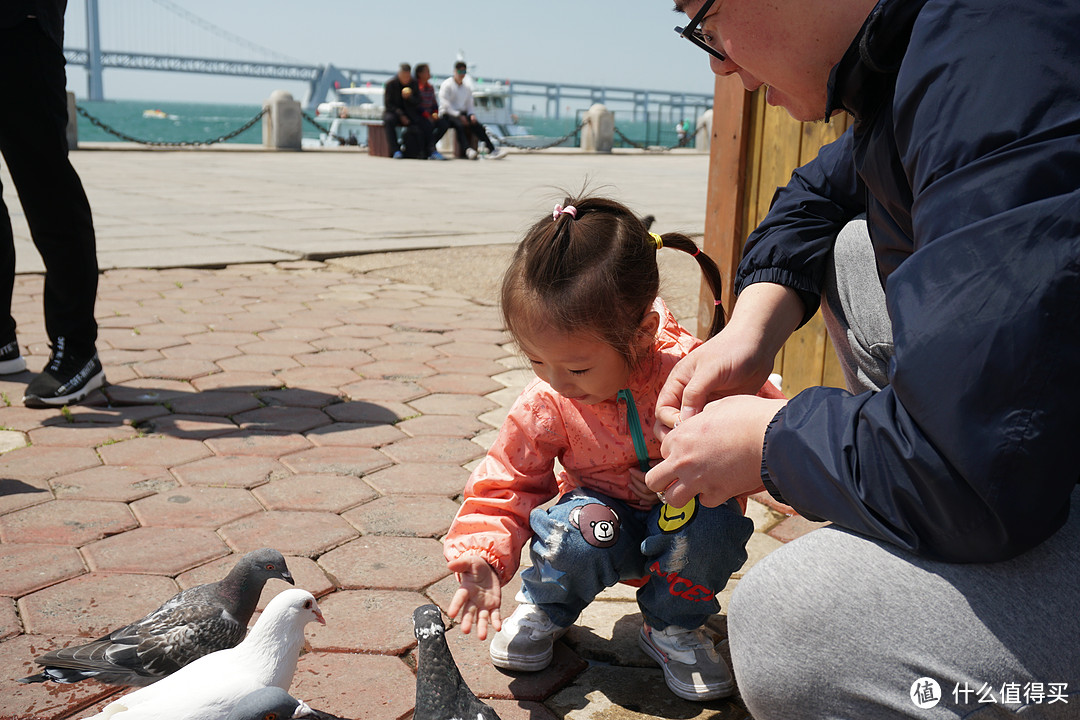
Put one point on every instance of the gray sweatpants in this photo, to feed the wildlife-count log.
(835, 625)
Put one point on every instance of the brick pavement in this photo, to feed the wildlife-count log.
(328, 413)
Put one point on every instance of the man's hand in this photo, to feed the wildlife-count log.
(715, 454)
(478, 598)
(736, 361)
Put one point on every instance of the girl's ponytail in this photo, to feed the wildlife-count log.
(708, 269)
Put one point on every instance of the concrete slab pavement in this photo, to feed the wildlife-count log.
(330, 409)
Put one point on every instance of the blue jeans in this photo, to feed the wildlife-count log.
(588, 542)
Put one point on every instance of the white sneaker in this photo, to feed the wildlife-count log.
(497, 154)
(526, 641)
(470, 153)
(692, 668)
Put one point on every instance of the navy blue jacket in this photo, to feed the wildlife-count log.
(965, 156)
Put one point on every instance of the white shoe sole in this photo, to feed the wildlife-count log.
(525, 663)
(684, 690)
(15, 365)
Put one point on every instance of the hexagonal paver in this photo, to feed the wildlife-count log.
(26, 568)
(317, 377)
(258, 442)
(453, 404)
(339, 460)
(335, 358)
(299, 397)
(237, 381)
(9, 619)
(411, 352)
(164, 451)
(362, 411)
(282, 419)
(220, 403)
(44, 462)
(368, 621)
(386, 562)
(396, 370)
(404, 516)
(156, 550)
(292, 533)
(329, 493)
(257, 363)
(379, 686)
(462, 426)
(87, 435)
(94, 604)
(176, 368)
(121, 484)
(420, 479)
(42, 700)
(66, 522)
(460, 383)
(16, 494)
(489, 351)
(453, 451)
(230, 471)
(355, 434)
(380, 389)
(195, 507)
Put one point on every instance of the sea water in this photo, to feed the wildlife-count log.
(185, 122)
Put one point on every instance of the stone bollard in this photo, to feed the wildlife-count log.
(282, 124)
(703, 132)
(73, 123)
(598, 134)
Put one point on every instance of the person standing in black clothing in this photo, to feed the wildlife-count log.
(33, 141)
(401, 101)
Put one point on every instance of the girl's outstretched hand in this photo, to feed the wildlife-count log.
(479, 597)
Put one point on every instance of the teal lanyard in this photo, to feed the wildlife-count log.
(635, 430)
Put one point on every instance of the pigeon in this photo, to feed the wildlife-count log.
(441, 693)
(273, 703)
(210, 687)
(195, 622)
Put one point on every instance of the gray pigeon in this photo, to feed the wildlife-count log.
(441, 692)
(195, 622)
(273, 703)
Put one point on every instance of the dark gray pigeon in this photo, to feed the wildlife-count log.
(195, 622)
(273, 703)
(441, 692)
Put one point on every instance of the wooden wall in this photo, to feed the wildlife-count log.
(754, 149)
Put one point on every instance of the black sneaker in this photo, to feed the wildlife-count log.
(11, 361)
(65, 379)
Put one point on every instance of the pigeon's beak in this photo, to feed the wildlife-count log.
(318, 615)
(287, 577)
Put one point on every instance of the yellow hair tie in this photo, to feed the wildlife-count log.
(658, 240)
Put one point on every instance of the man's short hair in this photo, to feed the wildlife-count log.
(421, 67)
(406, 67)
(460, 65)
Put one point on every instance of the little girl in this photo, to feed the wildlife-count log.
(581, 299)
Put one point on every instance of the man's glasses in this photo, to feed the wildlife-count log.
(693, 33)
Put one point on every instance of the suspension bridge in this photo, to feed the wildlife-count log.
(203, 47)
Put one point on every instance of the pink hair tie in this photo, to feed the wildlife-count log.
(560, 210)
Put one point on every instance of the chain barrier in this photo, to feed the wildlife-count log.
(342, 140)
(161, 143)
(560, 141)
(686, 140)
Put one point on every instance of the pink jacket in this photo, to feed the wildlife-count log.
(593, 444)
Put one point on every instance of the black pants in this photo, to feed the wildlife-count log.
(459, 123)
(33, 140)
(415, 137)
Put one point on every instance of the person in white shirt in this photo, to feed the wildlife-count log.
(456, 109)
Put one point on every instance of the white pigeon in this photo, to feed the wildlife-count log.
(208, 688)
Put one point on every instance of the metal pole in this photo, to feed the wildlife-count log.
(94, 86)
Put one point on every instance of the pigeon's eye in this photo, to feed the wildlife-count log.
(307, 605)
(269, 566)
(270, 716)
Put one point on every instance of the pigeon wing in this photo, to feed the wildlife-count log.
(186, 627)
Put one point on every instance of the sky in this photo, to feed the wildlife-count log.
(612, 43)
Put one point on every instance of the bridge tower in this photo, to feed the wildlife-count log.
(94, 87)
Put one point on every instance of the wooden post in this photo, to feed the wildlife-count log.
(729, 152)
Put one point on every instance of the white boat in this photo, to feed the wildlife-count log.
(355, 109)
